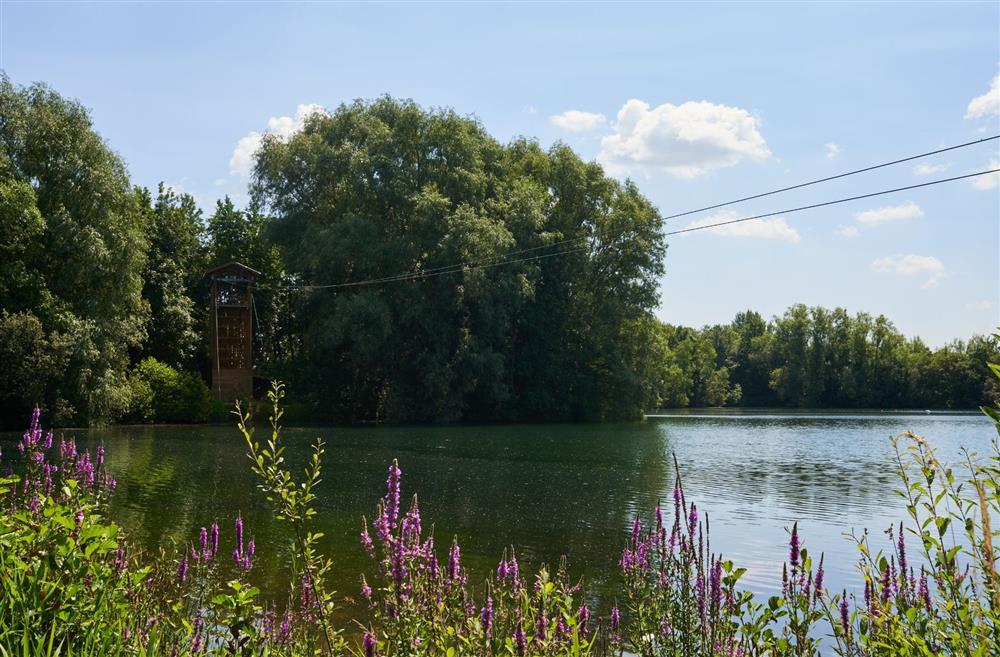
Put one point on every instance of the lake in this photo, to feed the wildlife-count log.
(548, 490)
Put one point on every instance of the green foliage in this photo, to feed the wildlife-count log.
(818, 358)
(72, 246)
(174, 267)
(159, 393)
(292, 502)
(383, 188)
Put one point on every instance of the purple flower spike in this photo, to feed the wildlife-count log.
(486, 616)
(215, 539)
(182, 570)
(819, 578)
(845, 619)
(455, 562)
(392, 494)
(616, 621)
(520, 641)
(369, 645)
(793, 548)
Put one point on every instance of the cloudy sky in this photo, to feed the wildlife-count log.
(698, 105)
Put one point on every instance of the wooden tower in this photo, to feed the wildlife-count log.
(231, 330)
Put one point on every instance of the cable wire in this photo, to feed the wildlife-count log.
(691, 229)
(829, 178)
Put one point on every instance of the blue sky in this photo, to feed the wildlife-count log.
(697, 103)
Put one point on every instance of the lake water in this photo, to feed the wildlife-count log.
(548, 490)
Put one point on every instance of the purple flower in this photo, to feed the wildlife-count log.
(100, 455)
(923, 591)
(392, 494)
(239, 533)
(486, 616)
(454, 562)
(819, 578)
(901, 545)
(366, 541)
(845, 621)
(520, 641)
(616, 620)
(715, 584)
(583, 617)
(793, 548)
(366, 591)
(203, 543)
(692, 520)
(215, 539)
(541, 625)
(369, 645)
(182, 570)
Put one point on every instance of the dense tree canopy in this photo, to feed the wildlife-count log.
(817, 358)
(383, 188)
(72, 250)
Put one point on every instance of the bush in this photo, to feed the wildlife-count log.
(159, 393)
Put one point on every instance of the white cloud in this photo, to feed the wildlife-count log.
(909, 210)
(984, 304)
(832, 150)
(986, 105)
(775, 228)
(577, 121)
(684, 140)
(929, 169)
(847, 231)
(242, 160)
(912, 265)
(989, 181)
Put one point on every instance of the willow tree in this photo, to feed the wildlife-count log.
(72, 247)
(384, 188)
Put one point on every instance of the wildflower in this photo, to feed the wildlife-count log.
(844, 614)
(923, 591)
(582, 618)
(520, 641)
(715, 584)
(182, 570)
(366, 540)
(616, 620)
(793, 548)
(692, 520)
(486, 616)
(100, 455)
(366, 591)
(369, 645)
(541, 625)
(454, 562)
(819, 578)
(203, 543)
(901, 546)
(392, 494)
(215, 539)
(120, 559)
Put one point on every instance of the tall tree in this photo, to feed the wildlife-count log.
(174, 265)
(74, 247)
(385, 188)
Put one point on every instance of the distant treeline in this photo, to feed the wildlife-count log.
(103, 304)
(819, 358)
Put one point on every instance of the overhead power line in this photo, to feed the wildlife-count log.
(498, 261)
(691, 229)
(829, 178)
